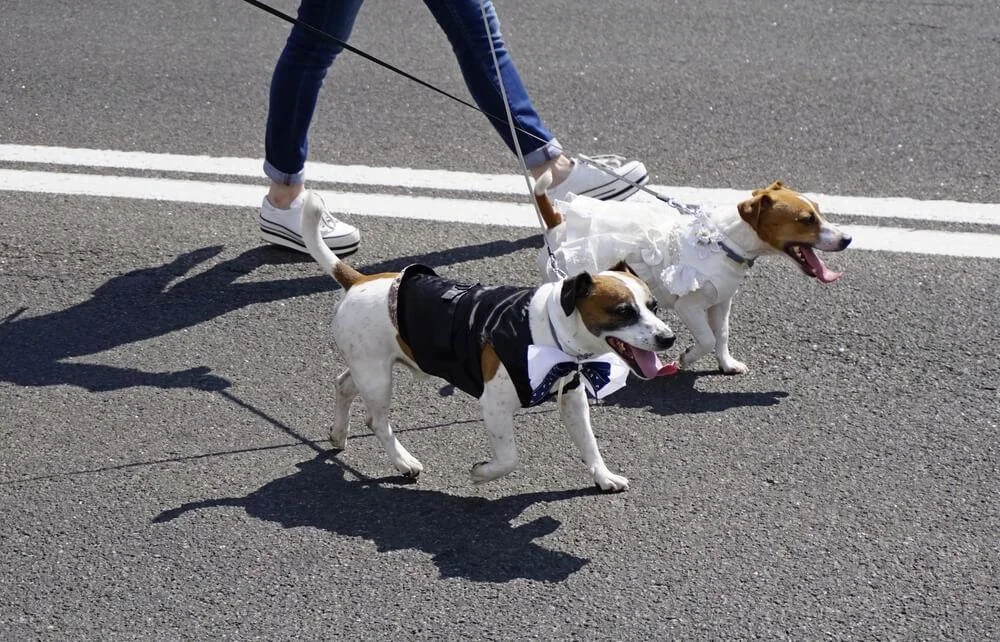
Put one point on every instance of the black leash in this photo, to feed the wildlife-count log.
(381, 63)
(693, 210)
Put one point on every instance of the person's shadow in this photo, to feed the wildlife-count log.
(676, 395)
(154, 301)
(467, 537)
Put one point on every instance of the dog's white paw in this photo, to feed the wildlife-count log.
(408, 465)
(733, 367)
(480, 472)
(485, 471)
(338, 436)
(610, 482)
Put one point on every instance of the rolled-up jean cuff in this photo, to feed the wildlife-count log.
(543, 154)
(284, 178)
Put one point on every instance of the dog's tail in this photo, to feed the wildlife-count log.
(549, 215)
(312, 219)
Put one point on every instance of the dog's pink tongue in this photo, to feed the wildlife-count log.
(647, 361)
(823, 273)
(669, 369)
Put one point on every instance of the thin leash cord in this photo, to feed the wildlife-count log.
(599, 166)
(517, 144)
(510, 115)
(684, 208)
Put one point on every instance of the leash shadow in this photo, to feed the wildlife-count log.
(466, 537)
(154, 301)
(677, 395)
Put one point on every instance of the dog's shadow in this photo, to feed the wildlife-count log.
(467, 537)
(154, 301)
(677, 395)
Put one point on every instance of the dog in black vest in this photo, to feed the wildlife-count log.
(511, 347)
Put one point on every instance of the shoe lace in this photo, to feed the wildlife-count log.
(329, 219)
(326, 218)
(611, 160)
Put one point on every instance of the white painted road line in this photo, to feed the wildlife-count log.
(238, 195)
(901, 208)
(901, 239)
(866, 237)
(253, 167)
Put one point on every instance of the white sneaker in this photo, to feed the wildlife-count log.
(584, 180)
(284, 227)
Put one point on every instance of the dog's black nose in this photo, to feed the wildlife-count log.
(664, 341)
(845, 241)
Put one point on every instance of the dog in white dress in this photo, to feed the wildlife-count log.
(692, 263)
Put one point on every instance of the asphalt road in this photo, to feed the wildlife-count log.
(165, 379)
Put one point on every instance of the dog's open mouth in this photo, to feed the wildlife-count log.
(811, 264)
(643, 363)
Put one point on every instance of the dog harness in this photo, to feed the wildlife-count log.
(447, 324)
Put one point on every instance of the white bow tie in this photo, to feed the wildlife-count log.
(602, 375)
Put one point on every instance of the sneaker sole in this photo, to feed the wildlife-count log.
(342, 246)
(618, 189)
(625, 192)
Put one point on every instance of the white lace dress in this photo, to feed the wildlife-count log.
(667, 249)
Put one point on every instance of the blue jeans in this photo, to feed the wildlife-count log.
(302, 66)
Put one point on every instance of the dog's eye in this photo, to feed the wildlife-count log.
(808, 219)
(626, 311)
(653, 306)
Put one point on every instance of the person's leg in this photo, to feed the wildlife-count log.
(295, 87)
(462, 22)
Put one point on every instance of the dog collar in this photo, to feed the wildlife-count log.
(707, 233)
(553, 309)
(552, 331)
(736, 256)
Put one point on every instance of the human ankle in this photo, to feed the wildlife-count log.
(282, 196)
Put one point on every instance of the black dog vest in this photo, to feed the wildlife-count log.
(446, 324)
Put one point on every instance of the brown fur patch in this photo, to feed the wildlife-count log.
(782, 216)
(405, 347)
(348, 277)
(597, 310)
(490, 361)
(550, 216)
(345, 275)
(381, 275)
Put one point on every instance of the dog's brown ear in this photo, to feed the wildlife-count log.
(622, 266)
(573, 289)
(750, 209)
(770, 188)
